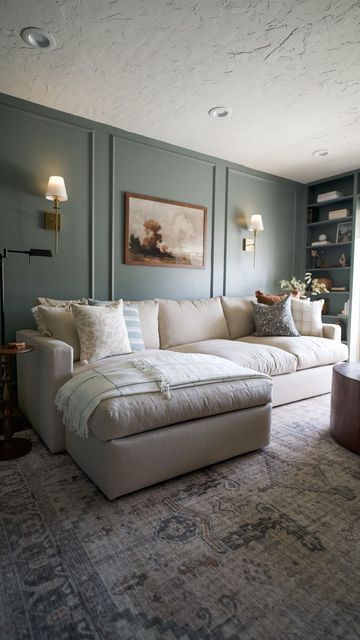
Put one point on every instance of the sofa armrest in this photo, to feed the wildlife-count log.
(40, 374)
(332, 332)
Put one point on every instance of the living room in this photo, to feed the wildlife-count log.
(239, 122)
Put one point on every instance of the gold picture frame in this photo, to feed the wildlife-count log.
(164, 233)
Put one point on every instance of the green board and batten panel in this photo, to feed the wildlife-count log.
(143, 168)
(99, 163)
(276, 202)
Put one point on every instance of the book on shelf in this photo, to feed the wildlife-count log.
(320, 243)
(330, 195)
(312, 215)
(338, 289)
(339, 213)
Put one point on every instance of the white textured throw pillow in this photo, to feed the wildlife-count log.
(102, 331)
(307, 316)
(59, 323)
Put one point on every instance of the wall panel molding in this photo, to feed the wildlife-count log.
(172, 151)
(91, 161)
(103, 162)
(112, 219)
(117, 138)
(276, 200)
(226, 226)
(212, 239)
(92, 214)
(46, 118)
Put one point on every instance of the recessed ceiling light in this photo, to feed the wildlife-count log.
(219, 112)
(38, 38)
(320, 153)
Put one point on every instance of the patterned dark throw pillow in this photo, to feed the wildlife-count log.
(274, 320)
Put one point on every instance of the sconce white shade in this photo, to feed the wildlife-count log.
(56, 189)
(256, 223)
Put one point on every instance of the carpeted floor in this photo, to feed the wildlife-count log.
(263, 547)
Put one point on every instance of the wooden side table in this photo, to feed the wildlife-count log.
(10, 448)
(345, 405)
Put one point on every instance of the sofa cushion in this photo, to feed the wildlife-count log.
(239, 316)
(128, 415)
(184, 321)
(307, 316)
(309, 351)
(58, 322)
(261, 358)
(274, 320)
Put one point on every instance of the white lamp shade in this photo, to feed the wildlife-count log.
(56, 189)
(256, 223)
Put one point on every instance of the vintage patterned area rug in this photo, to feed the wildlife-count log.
(262, 547)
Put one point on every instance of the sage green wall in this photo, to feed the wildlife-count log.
(99, 163)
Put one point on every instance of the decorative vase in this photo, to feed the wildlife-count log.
(327, 282)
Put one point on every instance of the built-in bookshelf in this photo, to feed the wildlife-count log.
(329, 243)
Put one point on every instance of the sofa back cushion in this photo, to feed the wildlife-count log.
(184, 321)
(59, 323)
(239, 316)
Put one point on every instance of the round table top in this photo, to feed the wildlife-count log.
(5, 350)
(349, 370)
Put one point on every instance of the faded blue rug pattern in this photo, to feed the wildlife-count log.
(265, 546)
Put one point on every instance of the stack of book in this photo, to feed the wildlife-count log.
(330, 195)
(339, 213)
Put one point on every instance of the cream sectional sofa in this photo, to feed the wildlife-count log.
(136, 442)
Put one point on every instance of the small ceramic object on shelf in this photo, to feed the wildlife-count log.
(342, 260)
(322, 237)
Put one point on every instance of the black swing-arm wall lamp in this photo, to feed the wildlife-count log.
(45, 253)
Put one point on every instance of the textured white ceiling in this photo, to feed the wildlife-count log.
(289, 69)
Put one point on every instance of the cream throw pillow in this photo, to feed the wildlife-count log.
(307, 316)
(102, 331)
(58, 322)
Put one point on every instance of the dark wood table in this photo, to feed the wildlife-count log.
(345, 405)
(10, 448)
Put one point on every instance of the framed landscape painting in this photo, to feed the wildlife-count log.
(164, 233)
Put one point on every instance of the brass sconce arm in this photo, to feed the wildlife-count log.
(255, 225)
(56, 192)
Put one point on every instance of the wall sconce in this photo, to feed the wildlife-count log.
(56, 191)
(255, 225)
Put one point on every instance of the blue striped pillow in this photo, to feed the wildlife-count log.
(132, 321)
(133, 326)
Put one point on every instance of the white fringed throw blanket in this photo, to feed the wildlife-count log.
(78, 398)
